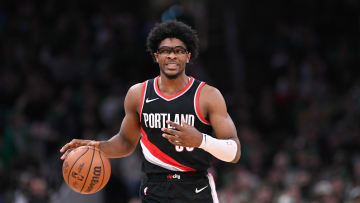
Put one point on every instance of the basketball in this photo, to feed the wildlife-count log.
(86, 170)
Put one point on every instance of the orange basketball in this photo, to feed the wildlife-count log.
(86, 170)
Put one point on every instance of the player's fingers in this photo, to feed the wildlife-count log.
(175, 125)
(170, 131)
(183, 123)
(167, 136)
(175, 142)
(63, 157)
(73, 144)
(172, 139)
(65, 147)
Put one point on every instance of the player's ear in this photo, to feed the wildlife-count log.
(188, 57)
(156, 56)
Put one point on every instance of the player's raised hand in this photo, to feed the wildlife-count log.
(67, 148)
(183, 135)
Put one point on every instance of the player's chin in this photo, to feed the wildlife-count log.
(172, 74)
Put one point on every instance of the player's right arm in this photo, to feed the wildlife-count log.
(125, 141)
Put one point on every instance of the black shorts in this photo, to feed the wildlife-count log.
(179, 187)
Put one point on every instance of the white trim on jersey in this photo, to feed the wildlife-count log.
(213, 188)
(196, 107)
(143, 98)
(180, 93)
(152, 159)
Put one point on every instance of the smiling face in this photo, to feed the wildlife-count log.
(172, 57)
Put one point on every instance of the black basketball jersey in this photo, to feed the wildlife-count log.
(155, 108)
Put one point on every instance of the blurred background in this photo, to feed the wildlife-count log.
(288, 69)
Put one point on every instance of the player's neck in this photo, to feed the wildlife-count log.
(172, 86)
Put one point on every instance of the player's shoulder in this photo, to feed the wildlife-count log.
(133, 96)
(138, 87)
(210, 91)
(135, 91)
(211, 99)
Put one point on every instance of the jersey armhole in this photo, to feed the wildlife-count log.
(196, 104)
(143, 92)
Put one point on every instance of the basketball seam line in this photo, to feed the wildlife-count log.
(75, 163)
(103, 170)
(92, 158)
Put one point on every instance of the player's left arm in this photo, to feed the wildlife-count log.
(212, 103)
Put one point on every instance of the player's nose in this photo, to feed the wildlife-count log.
(171, 55)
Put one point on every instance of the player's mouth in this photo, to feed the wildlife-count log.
(172, 66)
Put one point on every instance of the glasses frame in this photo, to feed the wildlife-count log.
(172, 49)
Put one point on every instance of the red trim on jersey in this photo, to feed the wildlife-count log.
(156, 152)
(188, 85)
(142, 98)
(197, 104)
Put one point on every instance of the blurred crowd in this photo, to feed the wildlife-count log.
(289, 72)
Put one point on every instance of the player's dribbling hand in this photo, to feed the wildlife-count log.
(185, 135)
(75, 143)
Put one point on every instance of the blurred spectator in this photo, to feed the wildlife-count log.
(291, 81)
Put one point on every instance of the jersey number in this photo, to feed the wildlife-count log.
(180, 149)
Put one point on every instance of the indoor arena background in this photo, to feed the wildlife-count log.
(288, 69)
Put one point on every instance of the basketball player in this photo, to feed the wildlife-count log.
(181, 123)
